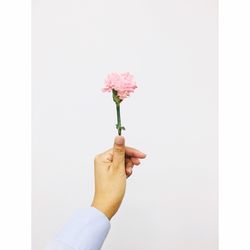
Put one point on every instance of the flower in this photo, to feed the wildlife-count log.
(122, 83)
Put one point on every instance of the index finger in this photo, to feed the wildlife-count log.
(132, 152)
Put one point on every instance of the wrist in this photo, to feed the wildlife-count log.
(107, 211)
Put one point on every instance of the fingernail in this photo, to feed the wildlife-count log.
(119, 140)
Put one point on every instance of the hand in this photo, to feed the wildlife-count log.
(112, 168)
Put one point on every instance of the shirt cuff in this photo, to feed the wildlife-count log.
(86, 230)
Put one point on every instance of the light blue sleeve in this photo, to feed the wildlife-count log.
(86, 230)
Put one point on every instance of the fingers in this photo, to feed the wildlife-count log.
(129, 167)
(116, 155)
(119, 152)
(132, 152)
(130, 173)
(135, 161)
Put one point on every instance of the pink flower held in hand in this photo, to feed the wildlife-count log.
(121, 85)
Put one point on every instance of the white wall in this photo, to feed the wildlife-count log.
(171, 48)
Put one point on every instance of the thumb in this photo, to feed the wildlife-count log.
(119, 152)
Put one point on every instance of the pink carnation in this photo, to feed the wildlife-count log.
(123, 83)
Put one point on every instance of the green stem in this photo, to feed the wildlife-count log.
(118, 113)
(117, 101)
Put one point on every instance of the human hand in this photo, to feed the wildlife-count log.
(112, 168)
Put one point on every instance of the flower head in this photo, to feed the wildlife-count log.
(122, 83)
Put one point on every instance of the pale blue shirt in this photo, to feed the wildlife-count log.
(86, 230)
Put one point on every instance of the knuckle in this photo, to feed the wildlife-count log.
(120, 149)
(97, 158)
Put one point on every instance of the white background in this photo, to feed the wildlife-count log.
(171, 48)
(234, 133)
